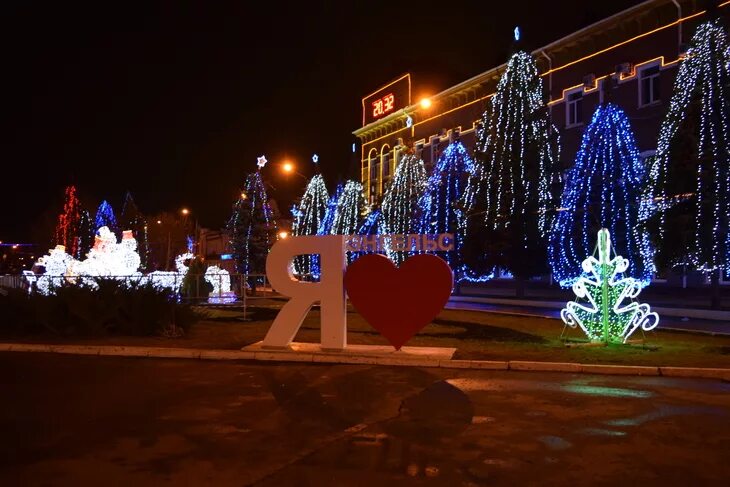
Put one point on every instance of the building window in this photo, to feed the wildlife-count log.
(649, 86)
(574, 108)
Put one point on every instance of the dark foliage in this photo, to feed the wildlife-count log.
(112, 309)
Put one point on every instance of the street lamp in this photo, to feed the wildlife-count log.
(288, 168)
(425, 103)
(283, 234)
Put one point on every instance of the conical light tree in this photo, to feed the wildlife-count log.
(439, 207)
(325, 226)
(350, 210)
(132, 219)
(603, 189)
(400, 204)
(252, 227)
(510, 199)
(67, 229)
(105, 218)
(690, 175)
(308, 216)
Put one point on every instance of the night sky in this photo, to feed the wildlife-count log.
(174, 101)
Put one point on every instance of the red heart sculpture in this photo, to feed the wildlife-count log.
(398, 302)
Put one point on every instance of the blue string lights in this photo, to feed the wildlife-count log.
(439, 206)
(252, 226)
(602, 190)
(105, 218)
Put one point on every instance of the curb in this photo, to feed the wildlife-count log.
(275, 356)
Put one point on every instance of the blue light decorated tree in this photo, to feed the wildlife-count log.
(439, 206)
(105, 218)
(349, 212)
(308, 216)
(400, 203)
(688, 205)
(603, 189)
(325, 226)
(509, 201)
(252, 227)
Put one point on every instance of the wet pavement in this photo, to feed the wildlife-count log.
(75, 420)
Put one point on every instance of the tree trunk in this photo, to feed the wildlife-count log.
(520, 288)
(715, 289)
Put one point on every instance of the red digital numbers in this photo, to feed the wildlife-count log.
(383, 105)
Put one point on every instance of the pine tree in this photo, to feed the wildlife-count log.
(400, 203)
(67, 229)
(689, 200)
(105, 218)
(349, 212)
(86, 235)
(602, 190)
(439, 206)
(308, 216)
(325, 226)
(509, 201)
(252, 227)
(132, 219)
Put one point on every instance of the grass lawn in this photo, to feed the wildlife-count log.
(475, 335)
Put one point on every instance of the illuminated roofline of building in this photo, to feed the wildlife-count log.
(475, 81)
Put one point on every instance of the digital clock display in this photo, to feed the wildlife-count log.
(387, 100)
(383, 106)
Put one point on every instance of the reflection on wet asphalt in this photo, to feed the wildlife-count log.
(90, 420)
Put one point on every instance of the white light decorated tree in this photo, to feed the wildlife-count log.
(400, 204)
(308, 216)
(350, 210)
(510, 199)
(688, 203)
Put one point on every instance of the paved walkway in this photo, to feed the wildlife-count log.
(71, 420)
(665, 323)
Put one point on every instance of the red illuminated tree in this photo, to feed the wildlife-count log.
(67, 228)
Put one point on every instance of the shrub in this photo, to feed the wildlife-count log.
(114, 308)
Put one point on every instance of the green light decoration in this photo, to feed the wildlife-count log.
(603, 285)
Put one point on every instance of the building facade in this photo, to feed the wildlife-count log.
(630, 58)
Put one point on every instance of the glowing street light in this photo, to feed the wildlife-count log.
(425, 103)
(243, 195)
(283, 234)
(185, 211)
(287, 167)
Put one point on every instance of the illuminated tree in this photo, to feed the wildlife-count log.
(439, 207)
(350, 210)
(400, 202)
(132, 219)
(689, 199)
(325, 226)
(509, 200)
(602, 190)
(308, 216)
(86, 235)
(252, 227)
(105, 218)
(67, 229)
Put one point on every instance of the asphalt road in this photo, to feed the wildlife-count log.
(75, 420)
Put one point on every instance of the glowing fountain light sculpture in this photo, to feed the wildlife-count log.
(605, 318)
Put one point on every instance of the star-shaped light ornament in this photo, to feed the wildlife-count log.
(315, 158)
(261, 161)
